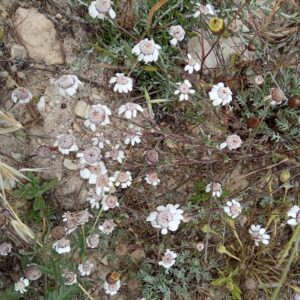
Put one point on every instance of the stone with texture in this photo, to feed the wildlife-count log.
(81, 109)
(18, 52)
(38, 35)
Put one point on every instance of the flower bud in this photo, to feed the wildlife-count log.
(294, 102)
(216, 25)
(284, 176)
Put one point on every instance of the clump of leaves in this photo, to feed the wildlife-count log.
(35, 190)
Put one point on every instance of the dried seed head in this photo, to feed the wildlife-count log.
(216, 25)
(58, 232)
(294, 102)
(251, 47)
(121, 249)
(151, 157)
(112, 277)
(250, 284)
(253, 122)
(32, 272)
(277, 95)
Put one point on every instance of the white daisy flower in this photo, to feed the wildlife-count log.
(62, 246)
(94, 199)
(115, 153)
(112, 288)
(146, 50)
(67, 85)
(233, 208)
(85, 268)
(132, 135)
(90, 156)
(100, 141)
(207, 9)
(152, 178)
(168, 260)
(97, 115)
(92, 241)
(104, 183)
(192, 65)
(130, 110)
(220, 94)
(232, 142)
(90, 173)
(178, 33)
(66, 143)
(184, 90)
(294, 214)
(21, 95)
(100, 9)
(21, 285)
(123, 84)
(83, 217)
(5, 249)
(216, 189)
(70, 278)
(107, 227)
(258, 234)
(166, 218)
(109, 202)
(122, 179)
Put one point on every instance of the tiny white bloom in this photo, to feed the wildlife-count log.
(184, 90)
(207, 9)
(90, 156)
(5, 249)
(92, 241)
(178, 33)
(166, 218)
(294, 214)
(67, 85)
(152, 178)
(122, 179)
(66, 143)
(220, 94)
(146, 50)
(258, 234)
(21, 285)
(107, 227)
(90, 173)
(233, 208)
(21, 95)
(115, 153)
(123, 84)
(109, 202)
(70, 278)
(232, 142)
(99, 140)
(192, 65)
(130, 110)
(216, 189)
(94, 199)
(104, 183)
(97, 115)
(85, 268)
(112, 288)
(62, 246)
(132, 135)
(168, 260)
(259, 79)
(100, 9)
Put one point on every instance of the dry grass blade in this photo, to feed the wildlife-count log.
(23, 231)
(154, 9)
(8, 123)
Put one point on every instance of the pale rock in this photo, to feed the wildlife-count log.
(16, 155)
(41, 105)
(81, 109)
(70, 165)
(18, 52)
(198, 47)
(38, 35)
(21, 75)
